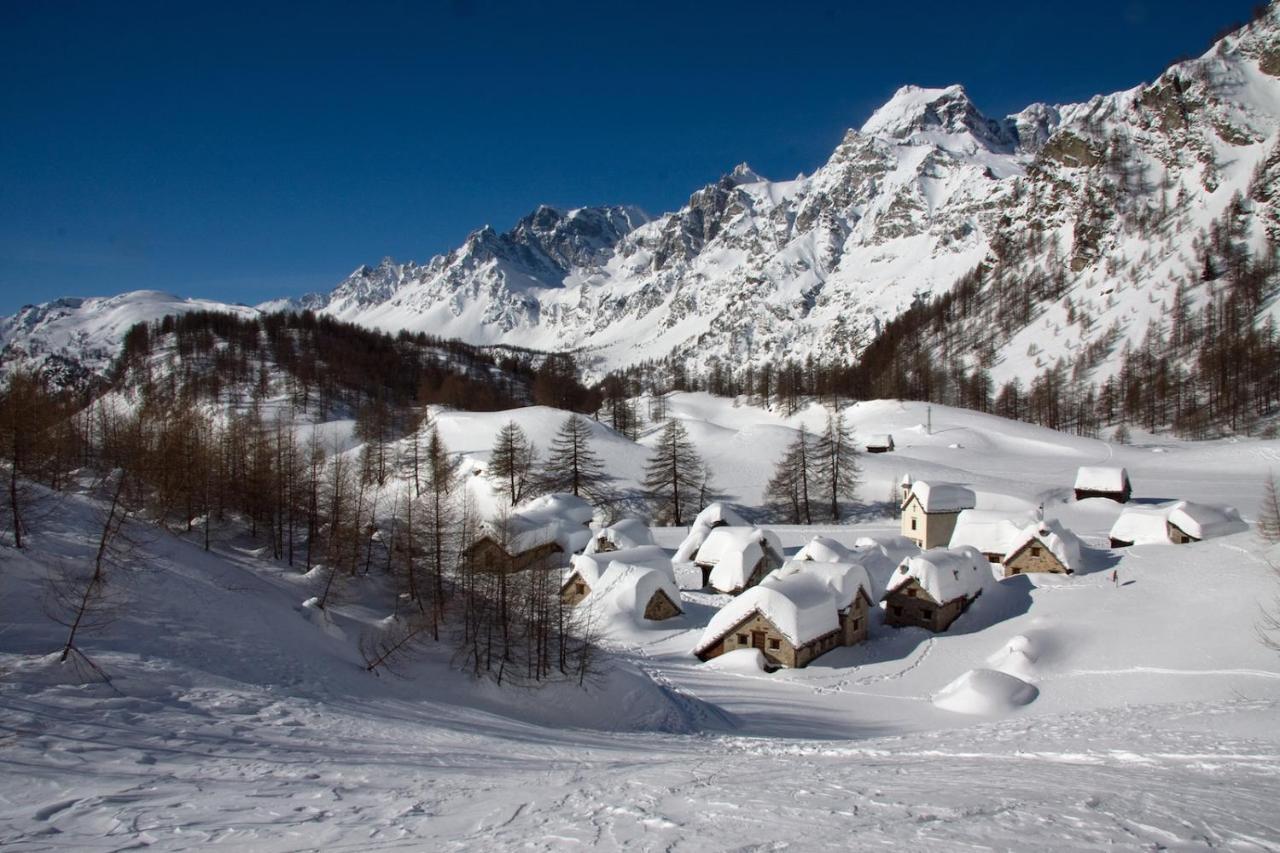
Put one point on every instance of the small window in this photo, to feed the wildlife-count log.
(897, 610)
(1035, 550)
(775, 644)
(580, 588)
(913, 524)
(911, 592)
(742, 639)
(926, 613)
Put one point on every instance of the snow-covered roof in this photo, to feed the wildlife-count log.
(844, 579)
(1058, 540)
(824, 549)
(1099, 478)
(560, 518)
(715, 514)
(945, 574)
(593, 566)
(1203, 521)
(882, 439)
(733, 553)
(941, 497)
(990, 531)
(1141, 525)
(800, 606)
(626, 589)
(627, 533)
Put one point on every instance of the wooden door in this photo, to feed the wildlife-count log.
(757, 639)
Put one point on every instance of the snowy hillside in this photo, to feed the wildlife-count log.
(1084, 220)
(1060, 710)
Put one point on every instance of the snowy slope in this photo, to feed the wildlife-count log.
(1057, 711)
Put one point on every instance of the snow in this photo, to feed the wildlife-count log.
(845, 580)
(878, 440)
(1202, 521)
(716, 514)
(592, 566)
(990, 531)
(1097, 478)
(945, 574)
(1141, 525)
(559, 518)
(801, 606)
(1056, 539)
(733, 553)
(985, 692)
(624, 591)
(942, 497)
(627, 533)
(824, 549)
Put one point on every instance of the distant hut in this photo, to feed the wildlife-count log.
(1045, 546)
(627, 533)
(1103, 482)
(882, 443)
(932, 590)
(715, 515)
(791, 621)
(633, 593)
(1140, 526)
(929, 512)
(585, 570)
(1192, 522)
(733, 559)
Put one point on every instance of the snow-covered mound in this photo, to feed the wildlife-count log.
(986, 692)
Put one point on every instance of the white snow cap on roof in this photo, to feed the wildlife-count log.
(844, 579)
(942, 497)
(1058, 540)
(881, 439)
(558, 518)
(1097, 478)
(627, 533)
(715, 514)
(945, 574)
(733, 552)
(800, 606)
(1204, 521)
(1141, 525)
(592, 566)
(626, 589)
(990, 531)
(824, 549)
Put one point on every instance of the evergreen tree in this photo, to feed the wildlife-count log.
(836, 463)
(572, 466)
(674, 474)
(788, 491)
(511, 463)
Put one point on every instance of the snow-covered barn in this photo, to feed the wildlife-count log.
(791, 620)
(627, 533)
(931, 590)
(1096, 481)
(733, 559)
(715, 515)
(537, 534)
(879, 443)
(930, 510)
(990, 531)
(1192, 522)
(1140, 525)
(585, 570)
(632, 592)
(1045, 546)
(850, 586)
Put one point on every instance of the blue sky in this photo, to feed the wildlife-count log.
(245, 151)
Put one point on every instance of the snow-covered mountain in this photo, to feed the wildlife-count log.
(1111, 198)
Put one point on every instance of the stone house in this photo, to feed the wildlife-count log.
(1046, 546)
(930, 511)
(932, 590)
(733, 559)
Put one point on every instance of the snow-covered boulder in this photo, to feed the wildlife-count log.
(985, 692)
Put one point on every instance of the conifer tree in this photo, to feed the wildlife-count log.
(836, 463)
(674, 473)
(511, 463)
(572, 465)
(788, 491)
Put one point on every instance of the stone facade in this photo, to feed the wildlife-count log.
(575, 589)
(910, 605)
(661, 607)
(487, 555)
(1177, 535)
(1033, 557)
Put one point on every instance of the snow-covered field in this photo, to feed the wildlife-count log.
(1150, 720)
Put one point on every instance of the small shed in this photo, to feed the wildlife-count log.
(585, 570)
(791, 621)
(932, 590)
(733, 559)
(990, 531)
(536, 534)
(930, 510)
(1093, 481)
(1045, 546)
(715, 515)
(1192, 522)
(633, 593)
(880, 443)
(627, 533)
(1139, 525)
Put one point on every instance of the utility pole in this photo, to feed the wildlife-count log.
(928, 430)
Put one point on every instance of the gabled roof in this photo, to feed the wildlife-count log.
(1056, 539)
(627, 533)
(559, 518)
(733, 553)
(715, 514)
(801, 607)
(1204, 521)
(990, 531)
(846, 580)
(1141, 525)
(879, 440)
(941, 497)
(1100, 478)
(945, 574)
(626, 589)
(824, 549)
(590, 567)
